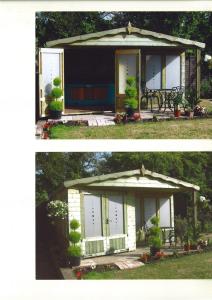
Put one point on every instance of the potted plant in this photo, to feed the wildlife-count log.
(189, 112)
(187, 238)
(155, 241)
(130, 102)
(56, 105)
(176, 102)
(74, 250)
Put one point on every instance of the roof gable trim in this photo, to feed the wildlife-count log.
(113, 32)
(139, 172)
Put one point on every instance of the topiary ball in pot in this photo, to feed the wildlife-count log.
(55, 109)
(74, 250)
(130, 102)
(155, 241)
(74, 254)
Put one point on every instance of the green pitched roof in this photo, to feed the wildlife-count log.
(127, 30)
(138, 172)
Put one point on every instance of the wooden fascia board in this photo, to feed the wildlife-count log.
(100, 178)
(97, 35)
(172, 180)
(168, 37)
(140, 172)
(85, 37)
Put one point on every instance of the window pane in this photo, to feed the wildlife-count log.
(153, 71)
(164, 212)
(127, 67)
(116, 215)
(93, 218)
(172, 71)
(149, 210)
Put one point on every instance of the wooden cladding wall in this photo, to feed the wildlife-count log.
(190, 72)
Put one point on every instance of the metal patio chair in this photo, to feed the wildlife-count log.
(150, 95)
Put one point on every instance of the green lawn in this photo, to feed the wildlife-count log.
(175, 129)
(196, 266)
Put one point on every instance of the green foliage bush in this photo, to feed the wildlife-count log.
(57, 93)
(57, 81)
(180, 225)
(131, 81)
(191, 97)
(155, 242)
(131, 93)
(206, 88)
(74, 237)
(155, 233)
(56, 105)
(74, 250)
(132, 103)
(74, 224)
(155, 221)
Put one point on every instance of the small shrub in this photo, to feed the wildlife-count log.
(57, 81)
(74, 224)
(74, 250)
(131, 91)
(206, 88)
(56, 106)
(155, 221)
(57, 93)
(132, 103)
(180, 226)
(131, 81)
(191, 97)
(155, 241)
(57, 208)
(74, 237)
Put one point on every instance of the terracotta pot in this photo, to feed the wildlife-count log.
(136, 116)
(177, 113)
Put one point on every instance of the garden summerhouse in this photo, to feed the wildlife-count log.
(112, 208)
(94, 67)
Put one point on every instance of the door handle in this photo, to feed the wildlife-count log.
(107, 221)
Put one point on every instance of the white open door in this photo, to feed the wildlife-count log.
(51, 65)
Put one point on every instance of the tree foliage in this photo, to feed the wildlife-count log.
(194, 167)
(53, 168)
(189, 25)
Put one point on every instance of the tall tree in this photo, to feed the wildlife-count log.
(55, 25)
(52, 168)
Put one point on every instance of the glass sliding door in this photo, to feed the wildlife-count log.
(127, 64)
